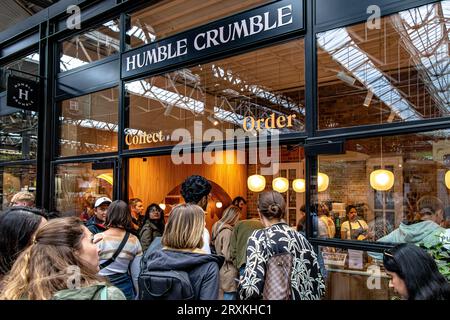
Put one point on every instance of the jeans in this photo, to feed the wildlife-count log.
(123, 282)
(229, 295)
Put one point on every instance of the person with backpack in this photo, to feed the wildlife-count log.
(61, 263)
(181, 270)
(222, 231)
(153, 225)
(120, 251)
(196, 190)
(281, 263)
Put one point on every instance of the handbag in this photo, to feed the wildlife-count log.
(277, 282)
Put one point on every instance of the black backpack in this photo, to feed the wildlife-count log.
(165, 285)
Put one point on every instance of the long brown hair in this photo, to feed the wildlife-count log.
(48, 264)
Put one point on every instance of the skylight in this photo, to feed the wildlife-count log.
(346, 52)
(425, 34)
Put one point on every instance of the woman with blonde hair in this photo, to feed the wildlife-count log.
(61, 263)
(182, 259)
(222, 231)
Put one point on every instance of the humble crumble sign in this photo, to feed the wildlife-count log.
(238, 31)
(22, 93)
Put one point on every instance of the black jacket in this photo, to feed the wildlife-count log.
(203, 269)
(94, 226)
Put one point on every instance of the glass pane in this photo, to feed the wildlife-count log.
(78, 185)
(88, 124)
(169, 17)
(354, 275)
(90, 46)
(18, 128)
(407, 202)
(15, 179)
(395, 73)
(228, 179)
(29, 64)
(256, 92)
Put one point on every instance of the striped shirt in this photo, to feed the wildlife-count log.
(128, 259)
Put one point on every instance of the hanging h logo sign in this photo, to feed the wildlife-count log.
(22, 93)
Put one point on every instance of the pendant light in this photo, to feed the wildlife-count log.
(256, 182)
(322, 182)
(219, 204)
(162, 206)
(447, 179)
(299, 185)
(381, 179)
(280, 184)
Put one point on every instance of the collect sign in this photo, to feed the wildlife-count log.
(22, 93)
(238, 31)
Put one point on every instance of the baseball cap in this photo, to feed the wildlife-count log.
(101, 201)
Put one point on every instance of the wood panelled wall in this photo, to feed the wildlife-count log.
(153, 178)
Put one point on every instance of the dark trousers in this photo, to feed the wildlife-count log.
(123, 282)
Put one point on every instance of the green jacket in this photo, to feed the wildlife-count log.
(148, 233)
(95, 292)
(421, 233)
(238, 243)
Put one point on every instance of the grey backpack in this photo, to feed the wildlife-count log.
(165, 285)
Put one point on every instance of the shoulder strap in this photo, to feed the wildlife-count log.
(116, 254)
(104, 293)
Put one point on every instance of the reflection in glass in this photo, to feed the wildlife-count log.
(88, 124)
(393, 74)
(18, 128)
(256, 92)
(157, 21)
(419, 166)
(78, 185)
(15, 179)
(90, 46)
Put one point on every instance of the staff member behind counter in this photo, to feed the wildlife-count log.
(354, 228)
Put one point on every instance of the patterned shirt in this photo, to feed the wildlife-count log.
(306, 280)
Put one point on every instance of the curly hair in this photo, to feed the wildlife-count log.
(194, 188)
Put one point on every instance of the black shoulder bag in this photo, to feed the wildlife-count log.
(116, 254)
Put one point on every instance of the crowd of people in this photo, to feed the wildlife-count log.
(119, 251)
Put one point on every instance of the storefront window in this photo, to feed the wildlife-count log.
(18, 127)
(14, 179)
(406, 202)
(90, 46)
(169, 17)
(396, 72)
(78, 185)
(28, 64)
(354, 275)
(88, 124)
(254, 92)
(228, 175)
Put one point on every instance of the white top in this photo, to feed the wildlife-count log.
(206, 238)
